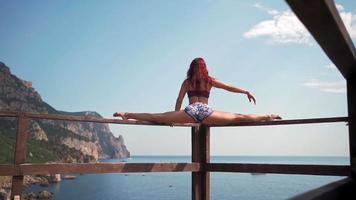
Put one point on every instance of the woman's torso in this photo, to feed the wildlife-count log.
(198, 93)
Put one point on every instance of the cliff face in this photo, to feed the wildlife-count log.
(84, 140)
(19, 95)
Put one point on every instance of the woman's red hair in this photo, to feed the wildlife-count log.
(198, 73)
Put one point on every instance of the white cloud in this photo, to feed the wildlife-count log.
(257, 5)
(328, 80)
(268, 10)
(330, 87)
(285, 27)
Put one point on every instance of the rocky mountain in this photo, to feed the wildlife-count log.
(53, 140)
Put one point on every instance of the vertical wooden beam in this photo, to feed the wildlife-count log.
(323, 21)
(351, 101)
(20, 156)
(201, 154)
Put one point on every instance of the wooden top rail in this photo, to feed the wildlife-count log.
(134, 122)
(87, 119)
(290, 122)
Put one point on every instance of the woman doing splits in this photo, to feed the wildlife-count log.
(198, 85)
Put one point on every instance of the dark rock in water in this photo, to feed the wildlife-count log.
(45, 195)
(3, 194)
(30, 196)
(39, 179)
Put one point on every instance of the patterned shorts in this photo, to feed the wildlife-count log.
(198, 111)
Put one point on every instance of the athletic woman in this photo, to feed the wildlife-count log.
(198, 85)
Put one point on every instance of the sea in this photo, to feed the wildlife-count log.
(177, 185)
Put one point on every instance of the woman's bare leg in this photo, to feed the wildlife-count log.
(166, 118)
(218, 117)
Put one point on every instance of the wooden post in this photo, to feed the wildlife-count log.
(20, 156)
(201, 154)
(351, 101)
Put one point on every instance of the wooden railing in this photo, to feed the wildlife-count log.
(200, 167)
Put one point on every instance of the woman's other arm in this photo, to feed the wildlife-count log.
(230, 88)
(180, 97)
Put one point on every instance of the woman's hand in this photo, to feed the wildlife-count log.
(251, 97)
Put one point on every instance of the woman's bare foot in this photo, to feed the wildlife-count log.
(273, 117)
(120, 114)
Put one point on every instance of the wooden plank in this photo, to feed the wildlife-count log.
(327, 170)
(196, 177)
(9, 170)
(7, 113)
(351, 101)
(20, 154)
(201, 154)
(204, 133)
(201, 144)
(21, 140)
(88, 119)
(67, 168)
(33, 169)
(17, 187)
(341, 189)
(288, 122)
(195, 144)
(133, 122)
(323, 21)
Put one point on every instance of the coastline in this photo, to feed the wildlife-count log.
(29, 180)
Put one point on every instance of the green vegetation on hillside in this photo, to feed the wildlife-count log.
(42, 151)
(7, 149)
(39, 151)
(7, 140)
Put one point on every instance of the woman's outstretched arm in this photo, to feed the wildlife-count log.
(230, 88)
(180, 97)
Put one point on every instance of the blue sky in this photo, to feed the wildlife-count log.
(132, 56)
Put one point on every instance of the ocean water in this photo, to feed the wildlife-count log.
(177, 185)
